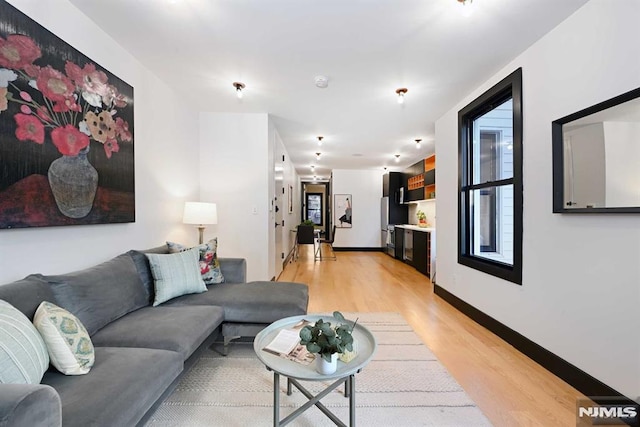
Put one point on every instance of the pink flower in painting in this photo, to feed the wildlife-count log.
(69, 140)
(122, 129)
(17, 51)
(111, 146)
(55, 85)
(30, 128)
(77, 105)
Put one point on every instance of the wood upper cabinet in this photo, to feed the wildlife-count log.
(430, 177)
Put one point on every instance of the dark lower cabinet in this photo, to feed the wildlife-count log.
(399, 243)
(420, 245)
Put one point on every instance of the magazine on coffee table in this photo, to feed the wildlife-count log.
(286, 344)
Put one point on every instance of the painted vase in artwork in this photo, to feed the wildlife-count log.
(73, 181)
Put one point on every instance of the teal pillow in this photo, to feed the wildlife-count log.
(23, 353)
(209, 264)
(176, 274)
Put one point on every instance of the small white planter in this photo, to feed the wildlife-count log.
(326, 368)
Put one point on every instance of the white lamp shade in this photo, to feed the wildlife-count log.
(200, 213)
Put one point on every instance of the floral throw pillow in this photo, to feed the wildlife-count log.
(209, 264)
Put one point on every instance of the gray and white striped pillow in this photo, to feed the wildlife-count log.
(23, 353)
(176, 274)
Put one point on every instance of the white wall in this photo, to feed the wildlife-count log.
(234, 173)
(365, 186)
(166, 135)
(581, 273)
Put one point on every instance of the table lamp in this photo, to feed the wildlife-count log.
(200, 213)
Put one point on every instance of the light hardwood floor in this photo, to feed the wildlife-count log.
(510, 389)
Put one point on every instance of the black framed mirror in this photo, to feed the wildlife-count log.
(596, 158)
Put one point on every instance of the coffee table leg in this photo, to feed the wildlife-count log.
(351, 381)
(276, 399)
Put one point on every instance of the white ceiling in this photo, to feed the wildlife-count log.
(439, 49)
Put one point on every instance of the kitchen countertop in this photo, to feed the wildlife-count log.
(416, 228)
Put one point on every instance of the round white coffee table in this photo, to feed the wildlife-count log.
(366, 347)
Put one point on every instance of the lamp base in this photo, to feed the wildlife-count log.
(201, 234)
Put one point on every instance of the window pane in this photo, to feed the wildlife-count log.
(493, 144)
(492, 223)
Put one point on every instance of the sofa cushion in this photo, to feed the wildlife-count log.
(100, 294)
(23, 354)
(253, 302)
(122, 386)
(68, 343)
(27, 294)
(175, 275)
(209, 265)
(144, 271)
(180, 329)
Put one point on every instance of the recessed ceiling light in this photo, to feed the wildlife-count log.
(318, 156)
(397, 158)
(418, 143)
(320, 138)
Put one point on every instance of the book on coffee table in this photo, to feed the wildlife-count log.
(286, 344)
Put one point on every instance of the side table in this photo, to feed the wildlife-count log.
(294, 371)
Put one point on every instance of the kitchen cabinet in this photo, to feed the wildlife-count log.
(430, 177)
(399, 243)
(391, 183)
(421, 252)
(421, 243)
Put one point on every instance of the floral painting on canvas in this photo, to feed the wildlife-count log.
(66, 132)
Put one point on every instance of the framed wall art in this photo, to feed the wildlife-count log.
(342, 211)
(66, 132)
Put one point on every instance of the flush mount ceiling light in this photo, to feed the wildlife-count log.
(318, 156)
(239, 86)
(401, 92)
(320, 138)
(321, 81)
(397, 158)
(418, 143)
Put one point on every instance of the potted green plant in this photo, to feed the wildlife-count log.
(422, 218)
(307, 222)
(328, 341)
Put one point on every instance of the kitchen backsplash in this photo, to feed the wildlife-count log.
(428, 207)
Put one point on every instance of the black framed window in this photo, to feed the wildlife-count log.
(314, 208)
(490, 181)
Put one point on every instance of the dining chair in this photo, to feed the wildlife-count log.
(318, 254)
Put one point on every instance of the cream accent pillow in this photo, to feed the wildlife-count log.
(68, 343)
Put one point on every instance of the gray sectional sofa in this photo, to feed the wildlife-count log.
(141, 351)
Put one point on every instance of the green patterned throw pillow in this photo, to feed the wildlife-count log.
(68, 342)
(209, 264)
(175, 275)
(23, 354)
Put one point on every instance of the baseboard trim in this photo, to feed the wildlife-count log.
(569, 373)
(336, 249)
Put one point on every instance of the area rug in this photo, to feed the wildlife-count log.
(404, 385)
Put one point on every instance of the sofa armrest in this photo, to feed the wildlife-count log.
(27, 405)
(234, 270)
